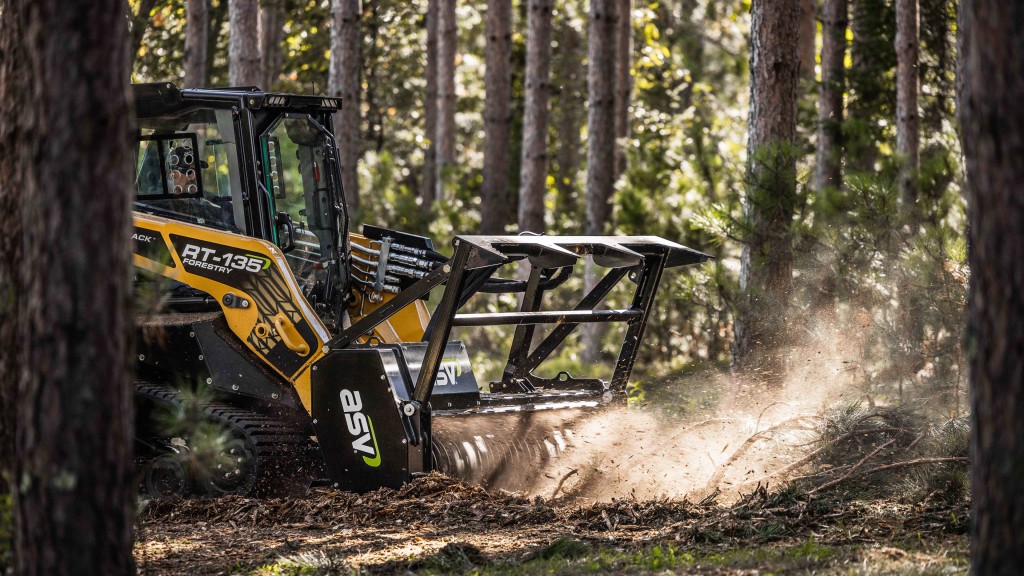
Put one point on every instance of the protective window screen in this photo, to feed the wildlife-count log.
(167, 167)
(187, 169)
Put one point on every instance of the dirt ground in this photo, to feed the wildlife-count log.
(437, 525)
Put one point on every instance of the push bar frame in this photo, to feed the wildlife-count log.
(476, 258)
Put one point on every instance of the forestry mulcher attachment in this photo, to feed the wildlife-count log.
(313, 345)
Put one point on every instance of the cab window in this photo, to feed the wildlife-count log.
(186, 168)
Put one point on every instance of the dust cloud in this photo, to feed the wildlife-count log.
(751, 436)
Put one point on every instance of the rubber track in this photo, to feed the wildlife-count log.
(283, 463)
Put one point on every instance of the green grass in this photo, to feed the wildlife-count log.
(302, 564)
(807, 557)
(567, 555)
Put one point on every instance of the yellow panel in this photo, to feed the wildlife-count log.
(254, 273)
(407, 325)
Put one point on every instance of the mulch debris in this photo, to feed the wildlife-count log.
(420, 518)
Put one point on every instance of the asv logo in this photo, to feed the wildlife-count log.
(360, 427)
(449, 371)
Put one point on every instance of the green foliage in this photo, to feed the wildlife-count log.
(316, 563)
(658, 558)
(946, 482)
(202, 444)
(565, 547)
(453, 558)
(897, 445)
(856, 260)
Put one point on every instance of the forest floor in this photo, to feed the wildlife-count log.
(437, 525)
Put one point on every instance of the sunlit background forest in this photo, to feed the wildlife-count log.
(812, 373)
(862, 271)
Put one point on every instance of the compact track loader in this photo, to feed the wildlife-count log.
(313, 344)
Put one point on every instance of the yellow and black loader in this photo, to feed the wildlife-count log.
(315, 342)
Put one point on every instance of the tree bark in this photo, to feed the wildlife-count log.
(271, 36)
(992, 125)
(428, 190)
(766, 264)
(623, 82)
(570, 119)
(808, 31)
(197, 27)
(65, 130)
(447, 40)
(833, 84)
(498, 209)
(344, 81)
(601, 114)
(908, 140)
(534, 171)
(908, 123)
(243, 43)
(218, 15)
(601, 49)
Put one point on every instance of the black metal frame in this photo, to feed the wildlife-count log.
(476, 258)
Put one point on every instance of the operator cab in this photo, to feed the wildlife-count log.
(244, 161)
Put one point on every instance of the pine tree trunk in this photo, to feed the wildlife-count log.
(623, 82)
(600, 114)
(66, 125)
(766, 264)
(833, 83)
(344, 81)
(908, 140)
(601, 49)
(570, 120)
(243, 43)
(534, 171)
(447, 40)
(911, 318)
(218, 15)
(992, 125)
(197, 27)
(808, 31)
(498, 206)
(271, 36)
(428, 189)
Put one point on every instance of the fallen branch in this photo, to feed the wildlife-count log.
(562, 481)
(710, 498)
(896, 465)
(767, 408)
(916, 440)
(703, 423)
(720, 472)
(807, 459)
(853, 468)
